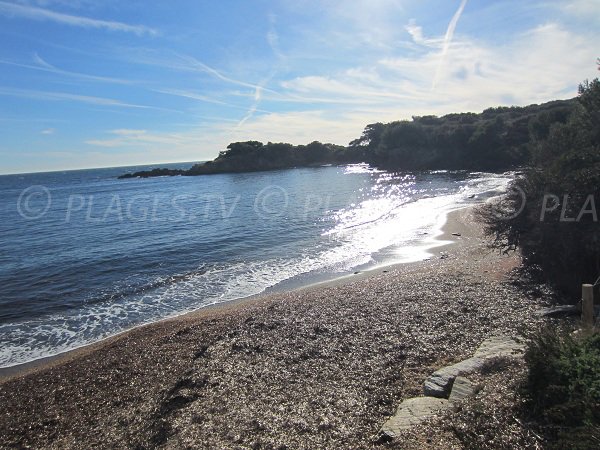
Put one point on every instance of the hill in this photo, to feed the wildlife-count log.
(496, 139)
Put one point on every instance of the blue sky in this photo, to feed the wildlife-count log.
(102, 83)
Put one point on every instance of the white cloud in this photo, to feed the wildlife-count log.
(539, 65)
(298, 128)
(64, 96)
(374, 22)
(347, 86)
(48, 131)
(415, 31)
(128, 132)
(130, 137)
(544, 63)
(129, 147)
(589, 9)
(334, 101)
(73, 4)
(192, 95)
(41, 14)
(188, 63)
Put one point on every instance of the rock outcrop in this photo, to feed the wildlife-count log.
(448, 386)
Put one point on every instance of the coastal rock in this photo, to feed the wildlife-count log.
(462, 388)
(440, 382)
(447, 385)
(411, 412)
(153, 173)
(438, 385)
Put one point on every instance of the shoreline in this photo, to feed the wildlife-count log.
(319, 367)
(442, 241)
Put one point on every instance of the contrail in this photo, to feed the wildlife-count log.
(31, 12)
(253, 108)
(273, 40)
(447, 41)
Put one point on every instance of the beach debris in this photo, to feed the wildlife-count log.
(444, 255)
(456, 234)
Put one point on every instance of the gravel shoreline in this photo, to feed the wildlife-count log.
(321, 367)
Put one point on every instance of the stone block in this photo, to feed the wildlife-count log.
(462, 388)
(411, 412)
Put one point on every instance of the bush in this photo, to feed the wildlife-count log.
(557, 228)
(563, 387)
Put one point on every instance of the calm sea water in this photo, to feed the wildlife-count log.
(84, 255)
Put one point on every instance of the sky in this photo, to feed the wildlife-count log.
(105, 83)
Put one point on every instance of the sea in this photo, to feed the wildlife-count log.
(85, 255)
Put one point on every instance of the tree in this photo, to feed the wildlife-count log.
(558, 227)
(370, 137)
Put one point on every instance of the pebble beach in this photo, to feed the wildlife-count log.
(319, 367)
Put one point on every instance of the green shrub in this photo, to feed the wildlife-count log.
(563, 387)
(551, 215)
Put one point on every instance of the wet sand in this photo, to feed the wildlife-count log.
(318, 367)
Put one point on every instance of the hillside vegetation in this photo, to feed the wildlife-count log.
(496, 139)
(552, 212)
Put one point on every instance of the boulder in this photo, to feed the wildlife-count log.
(438, 385)
(440, 382)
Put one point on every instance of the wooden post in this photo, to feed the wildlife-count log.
(587, 305)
